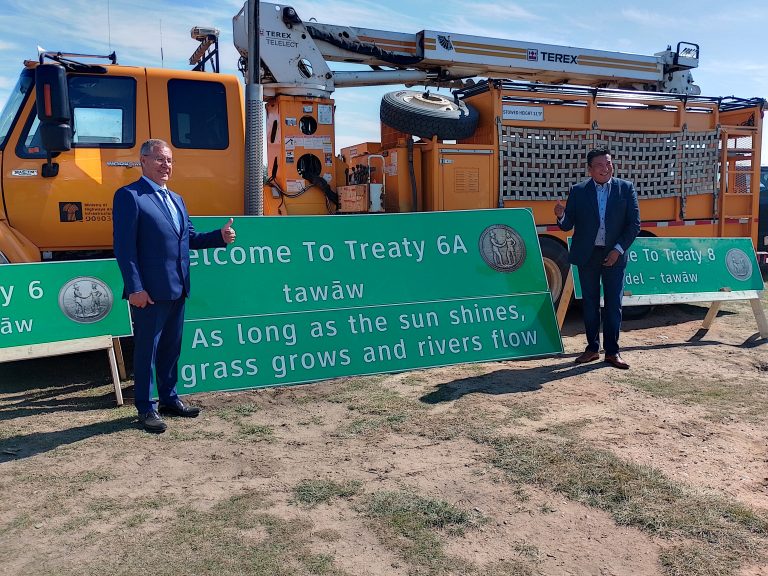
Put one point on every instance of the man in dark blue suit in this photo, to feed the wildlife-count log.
(152, 238)
(606, 219)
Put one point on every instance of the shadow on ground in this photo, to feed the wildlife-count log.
(513, 381)
(508, 381)
(62, 384)
(656, 316)
(34, 443)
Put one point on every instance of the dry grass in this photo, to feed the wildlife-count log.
(261, 484)
(717, 535)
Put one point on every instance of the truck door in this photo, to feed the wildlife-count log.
(200, 115)
(73, 210)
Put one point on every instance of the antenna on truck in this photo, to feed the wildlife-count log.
(109, 28)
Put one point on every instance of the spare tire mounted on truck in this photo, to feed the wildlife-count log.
(426, 115)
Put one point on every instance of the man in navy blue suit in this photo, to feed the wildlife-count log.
(606, 219)
(152, 238)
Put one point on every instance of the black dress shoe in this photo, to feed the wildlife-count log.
(587, 356)
(179, 409)
(617, 362)
(151, 422)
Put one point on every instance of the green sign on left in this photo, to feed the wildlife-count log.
(58, 301)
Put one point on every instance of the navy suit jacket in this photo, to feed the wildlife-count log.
(622, 218)
(151, 255)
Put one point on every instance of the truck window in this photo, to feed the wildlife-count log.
(103, 115)
(14, 103)
(198, 112)
(98, 126)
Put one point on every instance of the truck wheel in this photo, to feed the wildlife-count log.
(636, 312)
(555, 258)
(425, 115)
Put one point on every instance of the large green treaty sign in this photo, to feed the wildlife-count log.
(314, 297)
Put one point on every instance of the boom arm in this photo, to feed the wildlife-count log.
(295, 56)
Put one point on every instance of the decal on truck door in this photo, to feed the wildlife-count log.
(70, 211)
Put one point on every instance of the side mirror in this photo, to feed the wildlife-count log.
(56, 137)
(53, 108)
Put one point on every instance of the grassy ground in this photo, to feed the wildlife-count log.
(313, 479)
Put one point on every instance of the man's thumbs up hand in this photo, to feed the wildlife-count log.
(227, 232)
(559, 209)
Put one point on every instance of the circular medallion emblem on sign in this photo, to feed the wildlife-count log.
(738, 264)
(85, 299)
(502, 248)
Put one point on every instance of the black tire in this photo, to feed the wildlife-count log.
(426, 115)
(555, 258)
(636, 312)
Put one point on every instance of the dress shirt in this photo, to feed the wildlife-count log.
(603, 190)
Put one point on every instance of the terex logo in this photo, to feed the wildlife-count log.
(275, 34)
(557, 57)
(533, 55)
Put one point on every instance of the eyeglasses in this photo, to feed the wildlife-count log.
(161, 160)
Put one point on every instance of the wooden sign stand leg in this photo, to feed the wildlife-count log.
(119, 357)
(757, 310)
(565, 299)
(714, 308)
(762, 323)
(115, 375)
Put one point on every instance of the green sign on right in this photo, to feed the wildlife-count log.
(695, 266)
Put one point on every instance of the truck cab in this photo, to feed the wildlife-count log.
(67, 213)
(762, 226)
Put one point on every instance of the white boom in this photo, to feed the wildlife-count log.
(295, 56)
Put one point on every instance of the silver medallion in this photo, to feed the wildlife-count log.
(502, 248)
(738, 264)
(85, 299)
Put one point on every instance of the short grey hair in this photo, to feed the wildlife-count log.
(151, 144)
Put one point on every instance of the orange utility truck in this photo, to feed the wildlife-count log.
(497, 123)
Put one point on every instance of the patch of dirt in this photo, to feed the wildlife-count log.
(66, 453)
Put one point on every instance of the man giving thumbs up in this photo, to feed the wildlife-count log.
(152, 236)
(603, 212)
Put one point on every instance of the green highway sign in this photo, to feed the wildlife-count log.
(306, 263)
(308, 298)
(58, 301)
(697, 266)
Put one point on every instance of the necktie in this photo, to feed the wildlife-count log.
(171, 208)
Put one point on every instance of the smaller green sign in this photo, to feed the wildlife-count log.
(658, 266)
(57, 301)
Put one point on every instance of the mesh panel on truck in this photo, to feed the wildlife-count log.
(740, 162)
(543, 164)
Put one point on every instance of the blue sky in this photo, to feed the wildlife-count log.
(732, 40)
